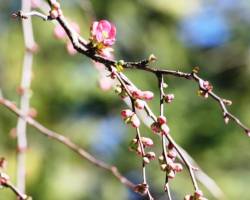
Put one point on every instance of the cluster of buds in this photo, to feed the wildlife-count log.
(130, 117)
(168, 98)
(198, 195)
(4, 178)
(146, 142)
(55, 11)
(160, 127)
(138, 94)
(167, 163)
(205, 88)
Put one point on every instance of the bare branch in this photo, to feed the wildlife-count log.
(68, 143)
(5, 182)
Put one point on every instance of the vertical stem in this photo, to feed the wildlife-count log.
(161, 82)
(25, 96)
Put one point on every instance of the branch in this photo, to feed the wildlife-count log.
(82, 46)
(5, 182)
(24, 91)
(68, 143)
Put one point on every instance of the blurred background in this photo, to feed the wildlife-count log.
(182, 34)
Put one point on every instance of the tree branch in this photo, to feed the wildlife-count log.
(68, 143)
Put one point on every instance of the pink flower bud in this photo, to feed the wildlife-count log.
(56, 5)
(70, 49)
(146, 160)
(140, 104)
(105, 84)
(161, 120)
(248, 133)
(59, 32)
(137, 94)
(147, 142)
(169, 98)
(177, 167)
(188, 197)
(172, 154)
(155, 128)
(135, 121)
(54, 13)
(126, 113)
(171, 174)
(207, 86)
(198, 194)
(148, 95)
(4, 178)
(150, 155)
(165, 129)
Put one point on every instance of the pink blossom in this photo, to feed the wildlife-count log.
(70, 48)
(103, 32)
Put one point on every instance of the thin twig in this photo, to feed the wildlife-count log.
(163, 138)
(5, 182)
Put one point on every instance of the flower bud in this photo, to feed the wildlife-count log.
(163, 167)
(169, 98)
(198, 194)
(188, 197)
(140, 104)
(165, 129)
(135, 121)
(162, 120)
(4, 178)
(152, 58)
(146, 160)
(177, 167)
(126, 113)
(161, 159)
(54, 13)
(150, 155)
(172, 154)
(155, 128)
(148, 95)
(171, 174)
(147, 142)
(137, 94)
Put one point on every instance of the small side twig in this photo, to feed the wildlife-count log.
(5, 182)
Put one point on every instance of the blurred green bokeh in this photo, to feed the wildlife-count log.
(182, 34)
